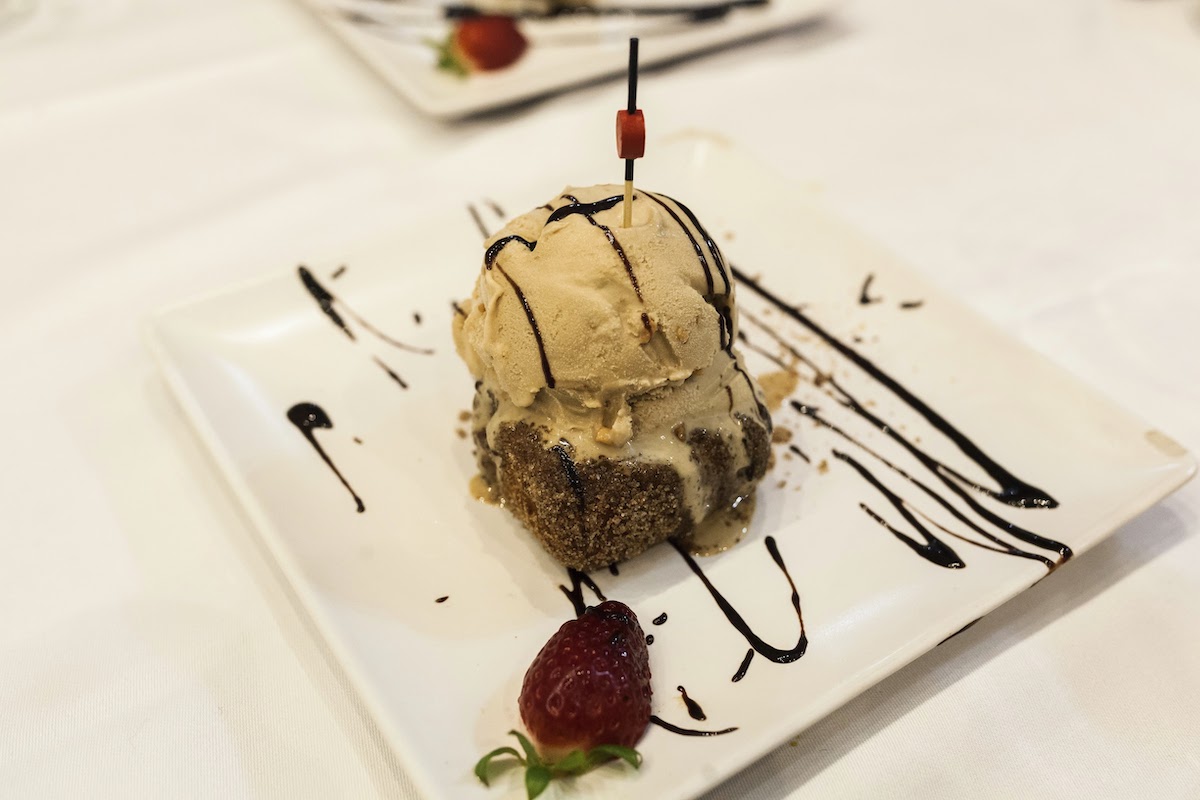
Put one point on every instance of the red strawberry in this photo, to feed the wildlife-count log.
(590, 684)
(585, 699)
(481, 44)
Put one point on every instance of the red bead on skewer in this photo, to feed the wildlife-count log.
(631, 131)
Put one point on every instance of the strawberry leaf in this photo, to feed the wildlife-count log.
(537, 778)
(448, 59)
(481, 767)
(573, 763)
(627, 754)
(531, 753)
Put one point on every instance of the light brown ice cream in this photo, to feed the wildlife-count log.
(614, 344)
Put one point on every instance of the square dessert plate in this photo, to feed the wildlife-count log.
(927, 467)
(564, 49)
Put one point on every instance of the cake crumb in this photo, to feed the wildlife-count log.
(462, 434)
(781, 485)
(777, 386)
(463, 416)
(823, 467)
(781, 435)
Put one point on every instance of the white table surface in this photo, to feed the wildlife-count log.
(1041, 160)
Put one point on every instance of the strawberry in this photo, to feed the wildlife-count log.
(481, 44)
(585, 698)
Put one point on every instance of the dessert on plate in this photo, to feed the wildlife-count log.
(612, 410)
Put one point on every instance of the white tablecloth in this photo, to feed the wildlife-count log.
(1041, 160)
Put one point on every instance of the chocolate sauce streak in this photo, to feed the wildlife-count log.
(326, 300)
(1013, 491)
(307, 417)
(337, 273)
(863, 299)
(908, 305)
(687, 731)
(489, 257)
(951, 479)
(620, 251)
(612, 568)
(568, 466)
(708, 278)
(457, 309)
(800, 453)
(745, 665)
(575, 593)
(749, 344)
(590, 209)
(650, 638)
(391, 373)
(933, 550)
(693, 708)
(587, 209)
(442, 599)
(478, 220)
(417, 317)
(718, 259)
(495, 207)
(533, 325)
(775, 654)
(660, 619)
(1001, 546)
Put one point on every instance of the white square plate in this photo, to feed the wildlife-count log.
(393, 38)
(442, 678)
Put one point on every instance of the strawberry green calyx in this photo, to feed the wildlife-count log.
(539, 772)
(448, 58)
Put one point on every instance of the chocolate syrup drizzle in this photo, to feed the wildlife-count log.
(693, 708)
(687, 731)
(307, 417)
(390, 372)
(933, 549)
(660, 619)
(326, 301)
(575, 593)
(478, 219)
(590, 209)
(863, 298)
(770, 652)
(1000, 546)
(743, 667)
(1012, 491)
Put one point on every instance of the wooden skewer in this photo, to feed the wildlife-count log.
(631, 109)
